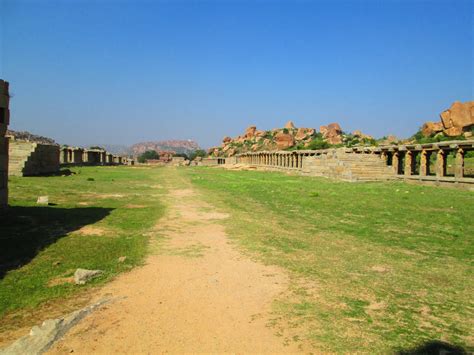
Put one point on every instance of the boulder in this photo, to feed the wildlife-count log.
(290, 125)
(453, 131)
(335, 127)
(304, 133)
(226, 140)
(260, 133)
(431, 128)
(334, 139)
(81, 276)
(250, 132)
(458, 118)
(42, 200)
(358, 133)
(284, 140)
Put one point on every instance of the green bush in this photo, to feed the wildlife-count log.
(149, 154)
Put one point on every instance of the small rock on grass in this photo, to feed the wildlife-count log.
(43, 200)
(81, 276)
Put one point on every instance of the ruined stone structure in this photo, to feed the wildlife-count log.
(71, 156)
(429, 162)
(371, 163)
(4, 121)
(31, 158)
(79, 156)
(210, 161)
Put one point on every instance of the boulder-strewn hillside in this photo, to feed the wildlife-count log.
(456, 121)
(177, 146)
(290, 137)
(27, 136)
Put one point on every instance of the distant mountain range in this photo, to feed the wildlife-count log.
(177, 146)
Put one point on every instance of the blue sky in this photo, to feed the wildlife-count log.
(119, 72)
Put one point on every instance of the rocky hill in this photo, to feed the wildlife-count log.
(177, 146)
(291, 137)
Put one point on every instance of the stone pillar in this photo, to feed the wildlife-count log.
(459, 167)
(441, 163)
(4, 121)
(425, 162)
(383, 156)
(409, 160)
(395, 161)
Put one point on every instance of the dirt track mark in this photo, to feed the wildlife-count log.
(196, 293)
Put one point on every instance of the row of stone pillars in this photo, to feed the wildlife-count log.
(405, 162)
(278, 159)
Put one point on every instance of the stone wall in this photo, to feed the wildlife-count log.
(407, 162)
(347, 165)
(29, 158)
(209, 162)
(4, 121)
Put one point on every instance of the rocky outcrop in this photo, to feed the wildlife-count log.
(287, 137)
(332, 133)
(431, 128)
(284, 140)
(456, 121)
(458, 118)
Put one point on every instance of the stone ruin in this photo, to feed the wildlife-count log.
(409, 162)
(71, 156)
(4, 121)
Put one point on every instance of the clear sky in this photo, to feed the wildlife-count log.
(119, 72)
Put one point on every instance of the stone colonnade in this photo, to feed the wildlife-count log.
(425, 160)
(78, 156)
(281, 159)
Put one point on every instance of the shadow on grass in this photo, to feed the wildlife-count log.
(434, 347)
(25, 231)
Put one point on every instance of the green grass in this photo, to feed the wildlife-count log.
(40, 245)
(375, 267)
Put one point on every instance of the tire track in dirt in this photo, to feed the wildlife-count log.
(196, 293)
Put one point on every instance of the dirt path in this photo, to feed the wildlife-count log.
(196, 293)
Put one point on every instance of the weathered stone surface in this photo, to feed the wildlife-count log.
(226, 139)
(290, 125)
(284, 140)
(41, 338)
(459, 115)
(29, 158)
(430, 128)
(81, 276)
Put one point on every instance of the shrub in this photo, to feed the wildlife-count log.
(149, 154)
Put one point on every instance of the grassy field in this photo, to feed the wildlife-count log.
(95, 216)
(375, 267)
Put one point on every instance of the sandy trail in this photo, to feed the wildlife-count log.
(196, 293)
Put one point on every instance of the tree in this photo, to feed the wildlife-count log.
(149, 154)
(197, 153)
